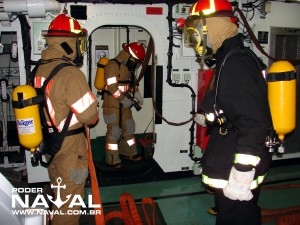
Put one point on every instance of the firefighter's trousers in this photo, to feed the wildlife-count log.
(120, 137)
(232, 212)
(70, 168)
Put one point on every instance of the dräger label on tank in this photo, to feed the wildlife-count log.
(26, 126)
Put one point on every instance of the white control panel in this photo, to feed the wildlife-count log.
(39, 43)
(182, 10)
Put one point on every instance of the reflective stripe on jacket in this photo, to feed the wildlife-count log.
(67, 90)
(246, 159)
(117, 78)
(219, 183)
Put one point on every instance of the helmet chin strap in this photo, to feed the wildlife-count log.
(78, 61)
(79, 56)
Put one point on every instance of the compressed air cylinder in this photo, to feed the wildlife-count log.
(99, 82)
(281, 80)
(27, 118)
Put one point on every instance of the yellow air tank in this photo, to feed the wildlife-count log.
(99, 82)
(281, 80)
(27, 118)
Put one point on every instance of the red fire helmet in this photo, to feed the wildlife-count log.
(135, 49)
(213, 8)
(64, 26)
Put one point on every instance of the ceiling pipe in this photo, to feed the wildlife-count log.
(34, 8)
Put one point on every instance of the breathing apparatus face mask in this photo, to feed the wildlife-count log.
(194, 36)
(81, 47)
(82, 43)
(132, 63)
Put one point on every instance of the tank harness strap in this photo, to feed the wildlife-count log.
(53, 73)
(262, 67)
(68, 120)
(114, 59)
(59, 140)
(120, 81)
(120, 114)
(259, 64)
(23, 103)
(120, 105)
(100, 65)
(286, 76)
(64, 131)
(75, 131)
(104, 90)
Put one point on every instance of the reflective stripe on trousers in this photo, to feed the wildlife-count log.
(112, 147)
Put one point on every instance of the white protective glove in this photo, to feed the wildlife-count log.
(238, 186)
(138, 96)
(200, 119)
(126, 102)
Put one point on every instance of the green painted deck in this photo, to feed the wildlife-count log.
(184, 201)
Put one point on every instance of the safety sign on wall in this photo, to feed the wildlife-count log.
(101, 51)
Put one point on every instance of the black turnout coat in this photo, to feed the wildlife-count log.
(242, 95)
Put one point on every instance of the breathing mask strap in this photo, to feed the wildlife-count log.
(204, 32)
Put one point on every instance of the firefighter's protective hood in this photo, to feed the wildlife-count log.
(220, 29)
(60, 47)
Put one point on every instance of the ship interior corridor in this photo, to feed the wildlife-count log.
(171, 78)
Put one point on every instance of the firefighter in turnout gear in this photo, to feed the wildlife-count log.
(67, 90)
(236, 110)
(119, 96)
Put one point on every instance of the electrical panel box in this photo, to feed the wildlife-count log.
(186, 75)
(39, 42)
(183, 10)
(176, 75)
